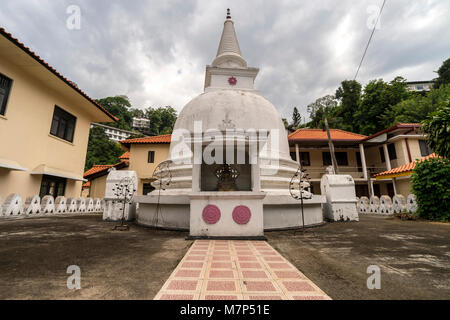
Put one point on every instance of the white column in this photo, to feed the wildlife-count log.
(363, 160)
(196, 174)
(256, 174)
(386, 157)
(297, 153)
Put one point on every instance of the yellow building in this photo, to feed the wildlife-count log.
(362, 157)
(143, 156)
(44, 125)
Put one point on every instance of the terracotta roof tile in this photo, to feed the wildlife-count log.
(54, 71)
(96, 169)
(156, 139)
(407, 167)
(125, 156)
(320, 135)
(87, 185)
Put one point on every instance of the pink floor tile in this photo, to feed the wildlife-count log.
(247, 258)
(253, 274)
(277, 265)
(177, 297)
(220, 285)
(221, 274)
(221, 265)
(250, 265)
(308, 298)
(288, 274)
(256, 297)
(221, 297)
(187, 273)
(192, 265)
(185, 285)
(297, 286)
(264, 286)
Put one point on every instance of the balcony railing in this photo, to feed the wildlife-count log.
(316, 172)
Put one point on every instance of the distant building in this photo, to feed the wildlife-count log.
(141, 123)
(420, 86)
(114, 134)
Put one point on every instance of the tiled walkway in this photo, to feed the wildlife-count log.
(237, 270)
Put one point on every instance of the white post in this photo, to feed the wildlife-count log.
(196, 174)
(395, 187)
(297, 153)
(386, 157)
(363, 160)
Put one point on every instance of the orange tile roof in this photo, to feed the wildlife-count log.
(54, 71)
(406, 167)
(156, 139)
(96, 169)
(399, 125)
(87, 185)
(321, 135)
(125, 156)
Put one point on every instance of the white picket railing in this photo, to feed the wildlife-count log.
(13, 206)
(387, 206)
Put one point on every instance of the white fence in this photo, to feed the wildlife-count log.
(387, 206)
(13, 206)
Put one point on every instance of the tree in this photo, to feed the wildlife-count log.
(444, 74)
(349, 95)
(377, 102)
(296, 118)
(137, 113)
(326, 106)
(101, 150)
(162, 120)
(437, 128)
(120, 107)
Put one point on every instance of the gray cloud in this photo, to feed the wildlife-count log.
(156, 51)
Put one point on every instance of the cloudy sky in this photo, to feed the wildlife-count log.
(155, 52)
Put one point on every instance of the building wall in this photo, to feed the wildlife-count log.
(25, 133)
(139, 161)
(98, 187)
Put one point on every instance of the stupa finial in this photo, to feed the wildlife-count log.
(228, 13)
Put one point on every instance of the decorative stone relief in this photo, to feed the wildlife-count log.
(81, 205)
(364, 205)
(98, 205)
(13, 205)
(386, 205)
(90, 205)
(242, 215)
(48, 205)
(399, 203)
(411, 204)
(32, 205)
(72, 205)
(61, 204)
(211, 214)
(374, 206)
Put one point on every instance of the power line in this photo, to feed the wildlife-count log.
(370, 39)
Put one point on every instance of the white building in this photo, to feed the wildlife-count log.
(141, 123)
(114, 134)
(420, 86)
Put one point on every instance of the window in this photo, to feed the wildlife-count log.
(358, 161)
(151, 157)
(392, 152)
(5, 87)
(294, 156)
(63, 124)
(424, 148)
(52, 186)
(383, 159)
(304, 158)
(341, 158)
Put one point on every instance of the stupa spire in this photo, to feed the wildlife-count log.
(229, 49)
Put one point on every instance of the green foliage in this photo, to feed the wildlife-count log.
(326, 106)
(444, 74)
(120, 107)
(349, 95)
(378, 100)
(296, 118)
(437, 128)
(101, 150)
(431, 185)
(162, 120)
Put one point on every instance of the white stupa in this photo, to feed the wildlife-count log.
(230, 112)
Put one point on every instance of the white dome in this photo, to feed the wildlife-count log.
(238, 108)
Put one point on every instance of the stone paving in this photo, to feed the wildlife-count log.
(237, 270)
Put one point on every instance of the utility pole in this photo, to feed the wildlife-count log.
(331, 145)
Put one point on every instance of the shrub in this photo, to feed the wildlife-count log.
(431, 185)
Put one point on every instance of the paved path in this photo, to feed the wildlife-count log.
(237, 270)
